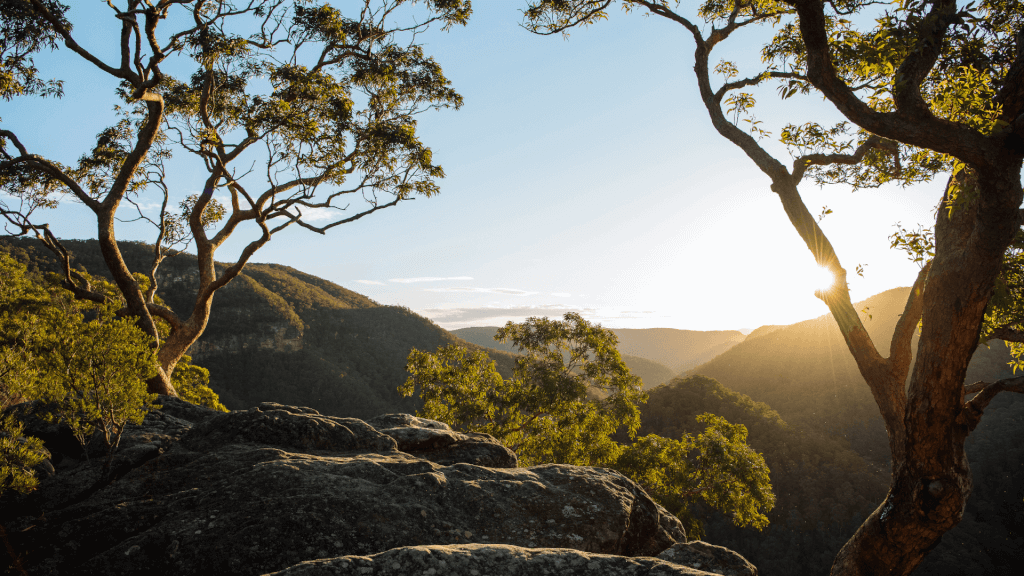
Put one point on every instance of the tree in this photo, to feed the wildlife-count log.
(933, 88)
(568, 395)
(88, 366)
(323, 103)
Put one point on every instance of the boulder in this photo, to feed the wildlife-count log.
(490, 559)
(437, 442)
(193, 491)
(704, 556)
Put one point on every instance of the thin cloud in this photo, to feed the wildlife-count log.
(455, 318)
(319, 214)
(371, 282)
(428, 279)
(474, 290)
(464, 315)
(561, 294)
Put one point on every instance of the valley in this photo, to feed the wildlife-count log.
(280, 335)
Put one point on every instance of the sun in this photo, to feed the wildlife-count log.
(821, 279)
(811, 277)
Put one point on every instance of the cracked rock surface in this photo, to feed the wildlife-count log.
(193, 491)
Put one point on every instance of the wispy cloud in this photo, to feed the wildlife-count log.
(561, 294)
(318, 214)
(371, 282)
(454, 318)
(470, 315)
(474, 290)
(429, 279)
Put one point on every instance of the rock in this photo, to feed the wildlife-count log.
(490, 559)
(199, 492)
(437, 442)
(287, 427)
(704, 556)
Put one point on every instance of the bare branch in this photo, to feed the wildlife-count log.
(975, 407)
(900, 352)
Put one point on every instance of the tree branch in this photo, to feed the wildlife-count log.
(975, 407)
(801, 164)
(1008, 334)
(910, 124)
(900, 352)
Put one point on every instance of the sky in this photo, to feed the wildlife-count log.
(583, 174)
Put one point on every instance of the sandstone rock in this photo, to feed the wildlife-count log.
(192, 491)
(437, 442)
(489, 559)
(704, 556)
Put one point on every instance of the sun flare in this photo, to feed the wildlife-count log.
(821, 279)
(811, 277)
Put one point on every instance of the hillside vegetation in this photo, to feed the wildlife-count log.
(805, 372)
(823, 488)
(277, 334)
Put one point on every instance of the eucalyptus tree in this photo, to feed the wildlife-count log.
(291, 109)
(933, 88)
(569, 394)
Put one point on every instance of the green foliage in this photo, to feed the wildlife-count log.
(94, 371)
(193, 384)
(18, 455)
(716, 467)
(20, 302)
(566, 397)
(89, 365)
(565, 401)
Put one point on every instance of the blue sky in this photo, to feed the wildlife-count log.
(583, 174)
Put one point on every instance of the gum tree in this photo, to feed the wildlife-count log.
(933, 88)
(289, 108)
(569, 394)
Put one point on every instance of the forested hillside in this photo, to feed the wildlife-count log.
(680, 350)
(805, 372)
(277, 334)
(651, 372)
(823, 488)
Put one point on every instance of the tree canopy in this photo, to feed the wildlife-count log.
(569, 395)
(291, 109)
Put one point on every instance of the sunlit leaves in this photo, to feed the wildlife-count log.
(22, 35)
(716, 467)
(565, 400)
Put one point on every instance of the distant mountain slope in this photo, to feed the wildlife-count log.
(680, 350)
(278, 334)
(652, 373)
(823, 488)
(806, 373)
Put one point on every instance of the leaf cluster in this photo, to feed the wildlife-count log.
(22, 34)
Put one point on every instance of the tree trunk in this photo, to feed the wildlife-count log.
(931, 479)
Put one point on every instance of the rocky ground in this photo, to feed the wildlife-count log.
(285, 490)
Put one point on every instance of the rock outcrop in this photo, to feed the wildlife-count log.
(192, 491)
(495, 560)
